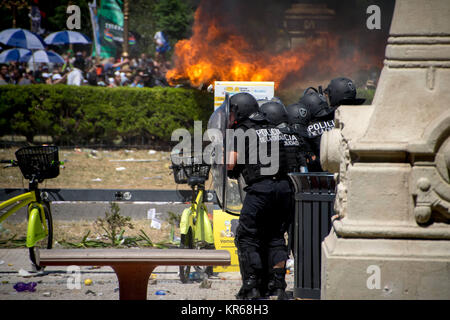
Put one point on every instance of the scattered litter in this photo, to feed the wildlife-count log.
(290, 265)
(24, 273)
(151, 151)
(156, 224)
(5, 282)
(195, 275)
(96, 179)
(90, 292)
(100, 294)
(87, 282)
(120, 168)
(46, 294)
(2, 262)
(153, 279)
(155, 177)
(151, 213)
(10, 264)
(29, 286)
(94, 267)
(205, 284)
(116, 289)
(160, 293)
(134, 160)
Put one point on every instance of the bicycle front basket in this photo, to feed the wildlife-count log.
(41, 162)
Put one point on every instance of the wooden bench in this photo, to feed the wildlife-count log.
(133, 266)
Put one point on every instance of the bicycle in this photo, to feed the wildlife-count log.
(36, 164)
(195, 227)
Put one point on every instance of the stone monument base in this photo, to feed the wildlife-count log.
(385, 268)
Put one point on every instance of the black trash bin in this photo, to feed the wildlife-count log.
(314, 200)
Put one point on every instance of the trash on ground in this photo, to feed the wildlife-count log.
(205, 284)
(24, 273)
(120, 168)
(87, 282)
(29, 286)
(47, 294)
(155, 224)
(160, 292)
(90, 292)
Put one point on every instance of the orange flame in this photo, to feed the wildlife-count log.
(212, 54)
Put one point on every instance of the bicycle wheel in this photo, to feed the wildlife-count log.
(47, 242)
(186, 242)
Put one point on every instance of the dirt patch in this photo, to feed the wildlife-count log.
(73, 232)
(101, 169)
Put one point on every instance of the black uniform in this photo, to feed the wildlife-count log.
(266, 212)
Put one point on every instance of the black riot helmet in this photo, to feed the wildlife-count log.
(298, 113)
(342, 91)
(317, 106)
(244, 106)
(274, 112)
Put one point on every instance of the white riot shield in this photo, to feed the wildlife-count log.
(228, 193)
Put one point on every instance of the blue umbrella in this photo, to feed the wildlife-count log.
(65, 37)
(42, 56)
(21, 38)
(13, 55)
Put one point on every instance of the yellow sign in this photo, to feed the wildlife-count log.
(259, 89)
(224, 230)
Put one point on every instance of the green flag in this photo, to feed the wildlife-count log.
(110, 20)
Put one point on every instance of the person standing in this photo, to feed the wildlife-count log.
(267, 207)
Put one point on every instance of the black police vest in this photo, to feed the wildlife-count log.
(289, 147)
(294, 150)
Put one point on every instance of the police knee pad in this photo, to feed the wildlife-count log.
(277, 254)
(250, 261)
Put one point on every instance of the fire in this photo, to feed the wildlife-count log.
(210, 55)
(217, 52)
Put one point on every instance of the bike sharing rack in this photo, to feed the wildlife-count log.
(122, 195)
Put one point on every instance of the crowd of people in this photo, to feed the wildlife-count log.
(81, 69)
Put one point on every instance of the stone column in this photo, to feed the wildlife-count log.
(391, 235)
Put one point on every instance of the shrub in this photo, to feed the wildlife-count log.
(85, 115)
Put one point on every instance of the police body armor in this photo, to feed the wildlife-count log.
(289, 147)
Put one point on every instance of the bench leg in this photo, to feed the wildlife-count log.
(133, 280)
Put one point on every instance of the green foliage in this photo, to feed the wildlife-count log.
(174, 17)
(84, 115)
(114, 224)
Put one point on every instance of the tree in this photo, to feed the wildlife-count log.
(174, 17)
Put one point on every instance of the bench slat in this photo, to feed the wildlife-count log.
(153, 256)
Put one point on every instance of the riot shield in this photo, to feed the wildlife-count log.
(227, 190)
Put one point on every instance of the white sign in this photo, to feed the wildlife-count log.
(259, 89)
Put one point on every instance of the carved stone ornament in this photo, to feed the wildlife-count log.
(432, 188)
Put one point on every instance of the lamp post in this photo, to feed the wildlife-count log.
(125, 27)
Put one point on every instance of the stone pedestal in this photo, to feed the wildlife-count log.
(391, 236)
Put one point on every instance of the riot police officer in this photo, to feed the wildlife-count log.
(268, 202)
(318, 109)
(342, 91)
(310, 117)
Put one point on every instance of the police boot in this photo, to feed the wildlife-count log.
(250, 288)
(277, 283)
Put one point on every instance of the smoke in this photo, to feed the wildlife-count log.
(249, 40)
